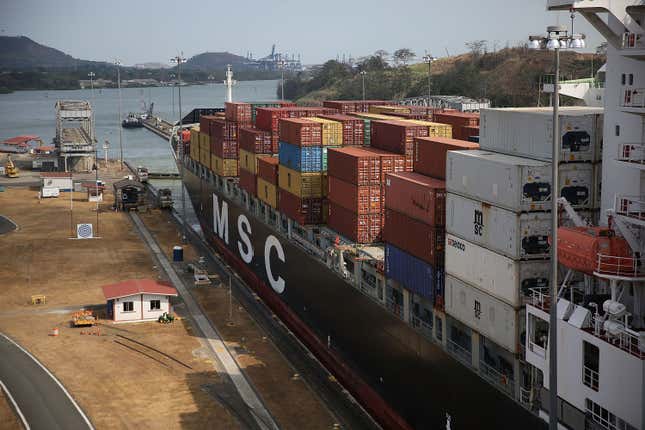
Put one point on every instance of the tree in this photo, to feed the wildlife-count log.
(403, 56)
(382, 54)
(477, 47)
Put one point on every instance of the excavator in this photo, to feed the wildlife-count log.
(11, 171)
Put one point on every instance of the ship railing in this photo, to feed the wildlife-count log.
(626, 267)
(540, 298)
(497, 378)
(634, 98)
(632, 153)
(590, 378)
(630, 206)
(633, 41)
(394, 307)
(526, 397)
(623, 338)
(423, 326)
(459, 352)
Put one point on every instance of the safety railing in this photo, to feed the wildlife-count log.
(540, 298)
(423, 326)
(394, 307)
(613, 265)
(459, 352)
(633, 41)
(497, 378)
(620, 336)
(631, 153)
(590, 378)
(630, 206)
(634, 98)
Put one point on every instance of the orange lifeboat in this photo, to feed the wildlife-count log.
(595, 250)
(185, 136)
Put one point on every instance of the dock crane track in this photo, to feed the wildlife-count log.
(170, 357)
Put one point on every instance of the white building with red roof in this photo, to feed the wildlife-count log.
(138, 300)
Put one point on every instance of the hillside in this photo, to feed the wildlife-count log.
(215, 61)
(22, 53)
(509, 77)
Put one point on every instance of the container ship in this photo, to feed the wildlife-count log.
(408, 247)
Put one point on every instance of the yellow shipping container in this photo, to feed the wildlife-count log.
(436, 129)
(300, 184)
(388, 109)
(204, 142)
(268, 193)
(332, 131)
(375, 116)
(224, 166)
(205, 158)
(248, 161)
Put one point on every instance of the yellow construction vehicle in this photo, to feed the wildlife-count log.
(10, 169)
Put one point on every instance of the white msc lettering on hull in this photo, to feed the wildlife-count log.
(242, 224)
(220, 219)
(272, 242)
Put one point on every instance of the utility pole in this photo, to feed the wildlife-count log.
(96, 156)
(428, 59)
(172, 93)
(118, 80)
(178, 60)
(281, 65)
(363, 73)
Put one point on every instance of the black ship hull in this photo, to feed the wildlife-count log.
(393, 371)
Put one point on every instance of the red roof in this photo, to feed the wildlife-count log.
(137, 286)
(21, 139)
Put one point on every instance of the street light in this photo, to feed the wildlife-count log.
(117, 63)
(179, 60)
(363, 73)
(96, 154)
(172, 92)
(428, 59)
(281, 65)
(556, 39)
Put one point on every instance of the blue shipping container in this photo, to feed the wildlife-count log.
(412, 273)
(301, 158)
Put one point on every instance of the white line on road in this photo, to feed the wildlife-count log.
(15, 405)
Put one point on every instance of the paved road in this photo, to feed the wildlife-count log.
(41, 399)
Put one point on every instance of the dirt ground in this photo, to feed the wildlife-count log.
(8, 418)
(269, 372)
(117, 387)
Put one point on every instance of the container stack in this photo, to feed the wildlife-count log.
(353, 129)
(397, 137)
(224, 148)
(356, 190)
(352, 106)
(267, 180)
(253, 143)
(300, 178)
(194, 147)
(465, 125)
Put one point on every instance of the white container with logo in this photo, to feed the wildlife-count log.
(502, 277)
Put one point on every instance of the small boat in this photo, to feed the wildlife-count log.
(132, 121)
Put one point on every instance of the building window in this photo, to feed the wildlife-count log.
(538, 335)
(617, 130)
(631, 79)
(604, 418)
(155, 305)
(590, 365)
(128, 306)
(623, 79)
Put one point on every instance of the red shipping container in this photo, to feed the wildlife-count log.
(360, 199)
(430, 154)
(268, 169)
(396, 136)
(353, 128)
(470, 131)
(358, 166)
(394, 163)
(350, 106)
(248, 181)
(457, 119)
(204, 123)
(238, 112)
(255, 141)
(414, 237)
(417, 196)
(300, 132)
(358, 228)
(225, 148)
(267, 118)
(303, 211)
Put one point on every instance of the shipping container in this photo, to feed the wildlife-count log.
(514, 183)
(325, 157)
(224, 148)
(205, 121)
(255, 141)
(268, 169)
(227, 167)
(360, 199)
(304, 185)
(417, 196)
(358, 166)
(353, 128)
(389, 109)
(484, 314)
(267, 118)
(300, 131)
(267, 192)
(301, 158)
(517, 236)
(577, 184)
(457, 119)
(415, 237)
(256, 105)
(508, 280)
(412, 273)
(248, 161)
(355, 227)
(528, 132)
(396, 136)
(194, 147)
(304, 211)
(332, 131)
(350, 106)
(466, 133)
(248, 181)
(238, 112)
(435, 129)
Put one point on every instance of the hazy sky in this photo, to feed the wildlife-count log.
(138, 31)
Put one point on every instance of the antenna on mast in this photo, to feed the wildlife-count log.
(229, 81)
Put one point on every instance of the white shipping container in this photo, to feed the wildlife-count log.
(485, 314)
(528, 132)
(514, 183)
(577, 184)
(517, 236)
(504, 278)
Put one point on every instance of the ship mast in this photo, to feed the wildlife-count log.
(229, 81)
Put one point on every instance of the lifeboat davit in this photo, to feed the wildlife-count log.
(595, 250)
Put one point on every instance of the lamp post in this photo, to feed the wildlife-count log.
(556, 39)
(363, 73)
(281, 65)
(428, 59)
(172, 93)
(96, 155)
(178, 60)
(91, 76)
(117, 63)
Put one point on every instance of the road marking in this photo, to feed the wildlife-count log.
(15, 405)
(69, 396)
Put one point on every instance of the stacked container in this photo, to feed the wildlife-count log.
(252, 144)
(300, 178)
(464, 124)
(267, 180)
(356, 186)
(194, 147)
(351, 106)
(353, 128)
(397, 137)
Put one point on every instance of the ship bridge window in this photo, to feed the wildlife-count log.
(538, 335)
(590, 365)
